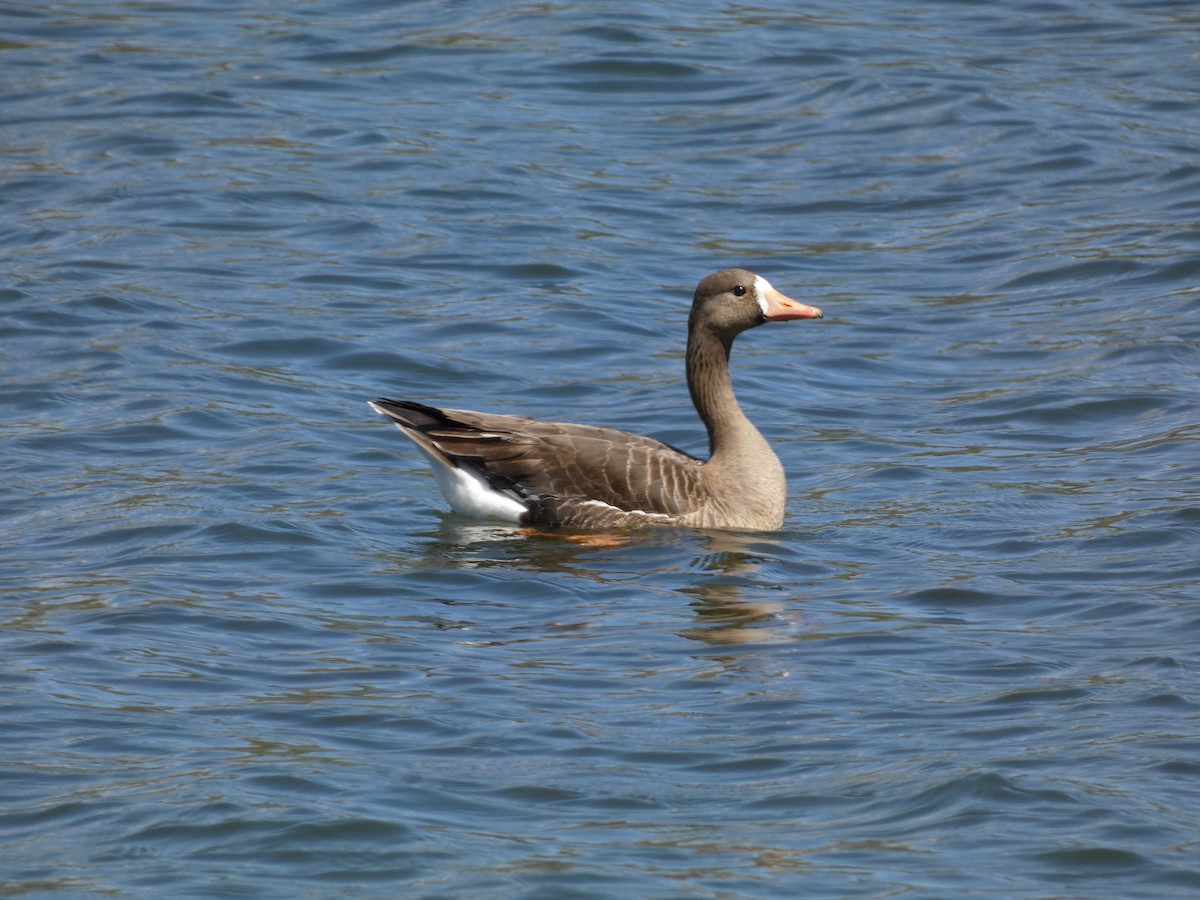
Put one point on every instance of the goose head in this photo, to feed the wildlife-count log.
(732, 300)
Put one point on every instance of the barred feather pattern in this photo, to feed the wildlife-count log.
(568, 476)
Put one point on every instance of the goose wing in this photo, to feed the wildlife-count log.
(567, 475)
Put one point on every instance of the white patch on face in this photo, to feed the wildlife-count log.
(761, 286)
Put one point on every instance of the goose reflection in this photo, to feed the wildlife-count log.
(734, 563)
(724, 575)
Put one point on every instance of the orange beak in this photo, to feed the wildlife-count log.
(779, 307)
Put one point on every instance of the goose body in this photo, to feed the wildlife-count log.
(585, 477)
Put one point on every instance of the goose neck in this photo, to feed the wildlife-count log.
(712, 393)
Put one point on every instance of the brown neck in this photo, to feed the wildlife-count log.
(730, 433)
(744, 478)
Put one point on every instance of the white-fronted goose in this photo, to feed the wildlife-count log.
(558, 475)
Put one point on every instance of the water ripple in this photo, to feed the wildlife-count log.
(241, 628)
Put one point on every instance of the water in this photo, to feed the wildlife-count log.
(247, 653)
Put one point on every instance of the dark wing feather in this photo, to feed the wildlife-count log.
(557, 467)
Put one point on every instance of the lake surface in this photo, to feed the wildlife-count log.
(247, 653)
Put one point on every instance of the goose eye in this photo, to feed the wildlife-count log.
(739, 291)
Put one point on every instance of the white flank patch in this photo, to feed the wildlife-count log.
(469, 495)
(761, 286)
(626, 512)
(603, 505)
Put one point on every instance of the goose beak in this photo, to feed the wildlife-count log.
(779, 307)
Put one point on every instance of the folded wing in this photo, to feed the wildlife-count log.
(566, 475)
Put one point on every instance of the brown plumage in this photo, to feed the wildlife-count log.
(586, 477)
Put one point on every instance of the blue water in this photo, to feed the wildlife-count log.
(245, 650)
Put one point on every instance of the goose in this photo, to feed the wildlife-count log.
(561, 476)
